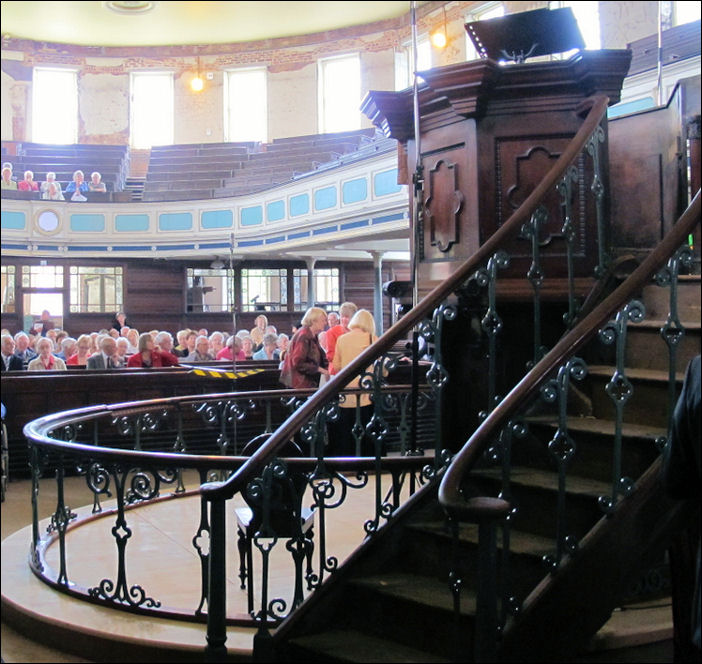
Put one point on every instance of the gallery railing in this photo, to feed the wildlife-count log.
(135, 454)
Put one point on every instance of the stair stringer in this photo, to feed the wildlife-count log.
(568, 607)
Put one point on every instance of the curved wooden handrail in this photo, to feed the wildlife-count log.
(597, 106)
(450, 495)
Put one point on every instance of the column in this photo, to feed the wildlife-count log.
(311, 295)
(377, 290)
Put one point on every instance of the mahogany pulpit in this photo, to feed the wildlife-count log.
(488, 134)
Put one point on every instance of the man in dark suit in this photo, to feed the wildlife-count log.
(10, 361)
(107, 358)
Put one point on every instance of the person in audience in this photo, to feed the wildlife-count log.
(202, 332)
(50, 178)
(46, 360)
(113, 333)
(23, 350)
(107, 358)
(233, 347)
(83, 351)
(333, 319)
(346, 311)
(147, 356)
(190, 340)
(201, 352)
(28, 184)
(10, 361)
(122, 349)
(283, 341)
(67, 347)
(133, 339)
(348, 347)
(77, 187)
(53, 193)
(305, 361)
(269, 351)
(258, 331)
(120, 321)
(181, 336)
(7, 182)
(164, 344)
(46, 323)
(216, 343)
(96, 183)
(247, 347)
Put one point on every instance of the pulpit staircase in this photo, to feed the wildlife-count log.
(396, 603)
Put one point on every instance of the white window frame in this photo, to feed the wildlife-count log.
(404, 61)
(257, 104)
(166, 121)
(54, 121)
(325, 125)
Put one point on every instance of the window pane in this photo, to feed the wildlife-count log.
(7, 288)
(686, 12)
(210, 289)
(264, 290)
(326, 288)
(95, 289)
(483, 13)
(340, 94)
(42, 276)
(247, 105)
(151, 109)
(54, 106)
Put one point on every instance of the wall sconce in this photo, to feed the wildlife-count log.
(197, 84)
(439, 37)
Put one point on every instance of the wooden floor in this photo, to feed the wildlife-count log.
(172, 579)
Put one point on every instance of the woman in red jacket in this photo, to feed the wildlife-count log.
(147, 356)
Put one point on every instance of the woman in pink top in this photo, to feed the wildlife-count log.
(226, 352)
(83, 347)
(28, 183)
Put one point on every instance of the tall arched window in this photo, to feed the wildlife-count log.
(55, 105)
(339, 93)
(151, 109)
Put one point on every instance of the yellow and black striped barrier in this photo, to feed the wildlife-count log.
(206, 372)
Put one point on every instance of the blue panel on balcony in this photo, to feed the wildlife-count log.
(388, 217)
(252, 216)
(133, 247)
(325, 198)
(275, 211)
(217, 219)
(295, 236)
(86, 248)
(274, 240)
(354, 191)
(176, 221)
(353, 224)
(250, 243)
(88, 223)
(131, 223)
(326, 229)
(13, 220)
(299, 204)
(385, 183)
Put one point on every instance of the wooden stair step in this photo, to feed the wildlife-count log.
(649, 375)
(348, 645)
(543, 479)
(596, 425)
(417, 589)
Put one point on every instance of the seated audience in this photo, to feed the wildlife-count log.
(7, 182)
(201, 353)
(247, 346)
(216, 342)
(122, 348)
(50, 178)
(23, 350)
(96, 183)
(77, 187)
(67, 347)
(120, 321)
(147, 356)
(269, 351)
(232, 350)
(83, 351)
(10, 361)
(46, 360)
(133, 339)
(28, 184)
(164, 343)
(53, 193)
(107, 358)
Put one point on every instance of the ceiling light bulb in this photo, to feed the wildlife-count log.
(197, 84)
(439, 39)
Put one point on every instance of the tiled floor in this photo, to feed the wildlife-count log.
(160, 558)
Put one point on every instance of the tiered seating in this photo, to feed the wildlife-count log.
(111, 161)
(217, 170)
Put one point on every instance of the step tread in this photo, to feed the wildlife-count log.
(350, 645)
(544, 479)
(601, 426)
(653, 375)
(519, 542)
(657, 323)
(425, 590)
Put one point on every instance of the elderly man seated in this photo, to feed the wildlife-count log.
(107, 357)
(201, 353)
(22, 349)
(68, 348)
(10, 362)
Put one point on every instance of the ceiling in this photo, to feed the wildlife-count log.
(171, 23)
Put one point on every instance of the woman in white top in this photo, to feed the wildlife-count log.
(349, 346)
(46, 361)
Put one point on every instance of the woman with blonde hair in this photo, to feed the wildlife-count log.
(349, 346)
(83, 351)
